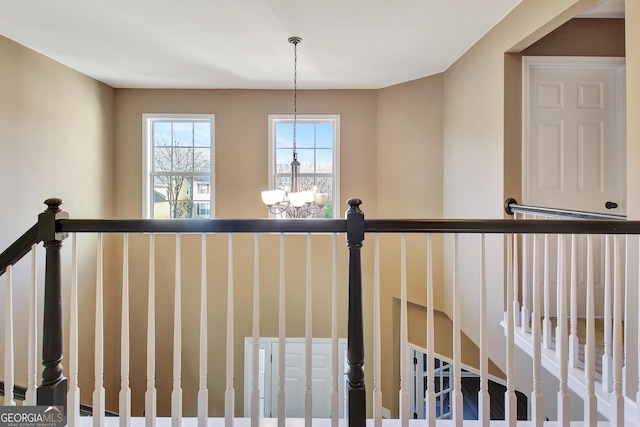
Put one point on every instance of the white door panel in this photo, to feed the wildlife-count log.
(295, 379)
(574, 148)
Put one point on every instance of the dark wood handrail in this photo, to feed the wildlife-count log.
(19, 248)
(501, 226)
(202, 226)
(511, 207)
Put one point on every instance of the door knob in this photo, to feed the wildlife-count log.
(611, 205)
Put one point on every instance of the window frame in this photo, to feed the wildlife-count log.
(302, 118)
(147, 161)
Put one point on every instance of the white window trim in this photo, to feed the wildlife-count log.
(147, 118)
(336, 149)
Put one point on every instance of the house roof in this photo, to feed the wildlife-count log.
(217, 44)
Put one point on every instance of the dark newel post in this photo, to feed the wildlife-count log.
(356, 396)
(53, 390)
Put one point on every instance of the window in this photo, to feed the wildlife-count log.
(178, 166)
(317, 144)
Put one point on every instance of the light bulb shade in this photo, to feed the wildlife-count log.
(297, 200)
(308, 196)
(321, 199)
(271, 197)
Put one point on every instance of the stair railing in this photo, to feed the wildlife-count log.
(53, 227)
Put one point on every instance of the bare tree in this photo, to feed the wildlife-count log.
(179, 162)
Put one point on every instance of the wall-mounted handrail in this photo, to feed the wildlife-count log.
(511, 207)
(19, 248)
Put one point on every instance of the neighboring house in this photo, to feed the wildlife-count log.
(439, 146)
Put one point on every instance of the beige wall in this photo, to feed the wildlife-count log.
(56, 139)
(241, 145)
(632, 29)
(409, 177)
(474, 149)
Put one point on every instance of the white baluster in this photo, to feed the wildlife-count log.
(377, 352)
(229, 394)
(510, 394)
(537, 399)
(564, 414)
(150, 396)
(430, 393)
(8, 340)
(516, 280)
(527, 287)
(308, 342)
(255, 350)
(203, 391)
(607, 356)
(336, 369)
(176, 392)
(547, 337)
(404, 342)
(637, 420)
(282, 343)
(590, 401)
(31, 395)
(125, 390)
(458, 404)
(98, 389)
(73, 394)
(559, 282)
(574, 344)
(617, 399)
(484, 407)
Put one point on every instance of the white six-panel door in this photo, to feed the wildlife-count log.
(573, 133)
(295, 376)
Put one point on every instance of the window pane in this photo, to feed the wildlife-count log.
(202, 134)
(315, 145)
(305, 135)
(324, 135)
(324, 161)
(161, 133)
(325, 185)
(173, 187)
(201, 159)
(161, 210)
(182, 160)
(201, 190)
(201, 210)
(283, 183)
(162, 159)
(178, 147)
(183, 133)
(183, 210)
(305, 157)
(283, 161)
(284, 134)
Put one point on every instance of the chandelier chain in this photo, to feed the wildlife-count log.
(295, 96)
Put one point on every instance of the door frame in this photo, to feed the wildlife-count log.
(615, 64)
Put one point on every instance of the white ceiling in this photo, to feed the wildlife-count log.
(243, 44)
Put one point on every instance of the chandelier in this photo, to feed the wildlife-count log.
(295, 203)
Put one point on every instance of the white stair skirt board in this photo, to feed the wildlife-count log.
(576, 378)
